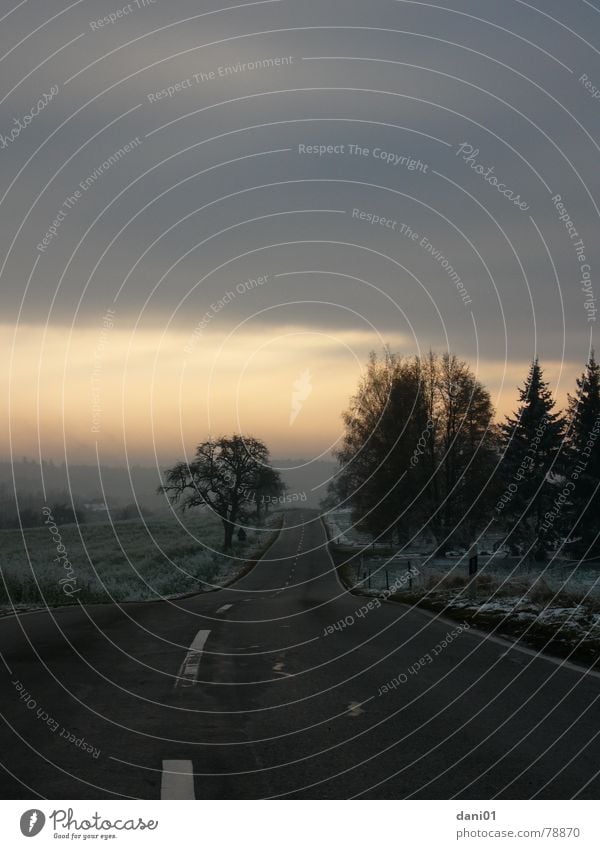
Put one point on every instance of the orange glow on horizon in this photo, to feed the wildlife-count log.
(151, 392)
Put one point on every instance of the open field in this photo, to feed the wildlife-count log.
(124, 561)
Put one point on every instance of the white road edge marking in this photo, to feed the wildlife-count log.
(177, 781)
(485, 636)
(224, 608)
(584, 671)
(188, 671)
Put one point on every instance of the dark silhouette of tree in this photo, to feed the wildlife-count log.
(24, 510)
(531, 466)
(223, 476)
(419, 448)
(462, 450)
(380, 428)
(268, 488)
(584, 466)
(135, 510)
(65, 514)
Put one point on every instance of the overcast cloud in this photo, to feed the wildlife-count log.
(215, 190)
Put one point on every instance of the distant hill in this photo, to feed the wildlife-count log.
(120, 486)
(307, 477)
(87, 484)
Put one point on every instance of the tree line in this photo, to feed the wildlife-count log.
(421, 451)
(26, 511)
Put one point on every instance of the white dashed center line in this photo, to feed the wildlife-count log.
(177, 780)
(278, 669)
(224, 608)
(188, 671)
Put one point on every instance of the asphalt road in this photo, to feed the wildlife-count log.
(249, 692)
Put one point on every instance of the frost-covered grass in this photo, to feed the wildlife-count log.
(340, 527)
(128, 561)
(553, 609)
(499, 578)
(553, 605)
(380, 567)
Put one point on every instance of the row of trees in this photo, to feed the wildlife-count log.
(421, 450)
(26, 511)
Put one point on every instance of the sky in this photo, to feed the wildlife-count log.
(219, 210)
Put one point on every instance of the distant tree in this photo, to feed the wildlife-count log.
(584, 467)
(531, 466)
(267, 489)
(133, 511)
(224, 476)
(28, 518)
(65, 514)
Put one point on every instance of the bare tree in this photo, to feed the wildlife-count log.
(224, 476)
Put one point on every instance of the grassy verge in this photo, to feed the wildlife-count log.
(564, 623)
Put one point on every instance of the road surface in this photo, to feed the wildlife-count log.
(251, 692)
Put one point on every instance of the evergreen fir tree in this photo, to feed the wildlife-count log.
(531, 465)
(584, 442)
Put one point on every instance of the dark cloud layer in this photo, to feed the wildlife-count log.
(215, 191)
